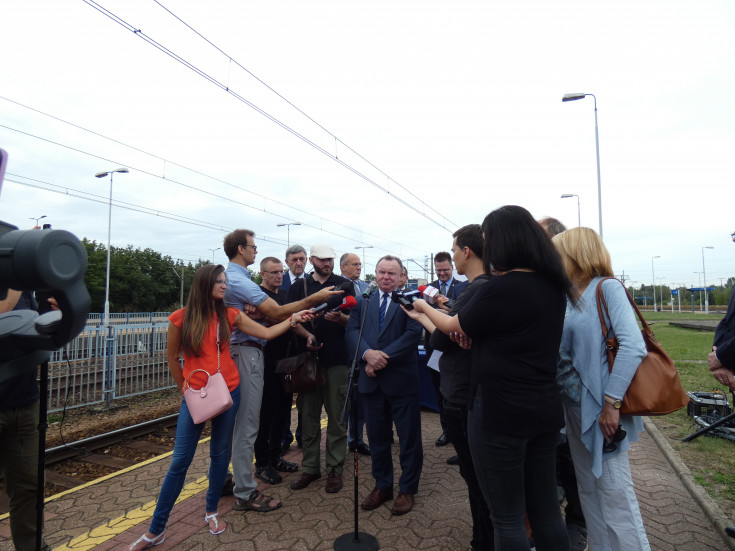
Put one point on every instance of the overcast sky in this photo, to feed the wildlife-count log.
(383, 124)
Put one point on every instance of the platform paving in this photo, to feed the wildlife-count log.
(111, 514)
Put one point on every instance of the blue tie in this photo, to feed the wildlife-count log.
(383, 310)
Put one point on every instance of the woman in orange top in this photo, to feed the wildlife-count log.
(201, 333)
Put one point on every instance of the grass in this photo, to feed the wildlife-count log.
(710, 459)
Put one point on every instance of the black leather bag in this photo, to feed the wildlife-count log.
(302, 373)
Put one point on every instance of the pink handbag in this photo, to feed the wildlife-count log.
(210, 400)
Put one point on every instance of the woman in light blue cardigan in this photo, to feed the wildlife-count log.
(599, 437)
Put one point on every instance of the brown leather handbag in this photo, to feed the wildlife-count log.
(655, 388)
(300, 374)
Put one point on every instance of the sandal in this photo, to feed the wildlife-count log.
(284, 466)
(217, 530)
(146, 542)
(257, 502)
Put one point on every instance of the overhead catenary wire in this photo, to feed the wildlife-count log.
(272, 118)
(229, 199)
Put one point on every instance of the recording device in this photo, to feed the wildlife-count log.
(373, 285)
(347, 287)
(406, 298)
(348, 303)
(429, 293)
(33, 260)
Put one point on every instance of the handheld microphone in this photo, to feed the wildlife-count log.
(406, 299)
(347, 303)
(429, 293)
(373, 285)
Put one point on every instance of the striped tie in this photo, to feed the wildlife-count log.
(383, 310)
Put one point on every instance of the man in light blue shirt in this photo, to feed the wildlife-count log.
(247, 351)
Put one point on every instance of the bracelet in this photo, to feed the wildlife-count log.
(293, 324)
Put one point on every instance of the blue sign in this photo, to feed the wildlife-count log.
(674, 292)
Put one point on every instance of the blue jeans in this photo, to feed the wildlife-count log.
(517, 475)
(187, 437)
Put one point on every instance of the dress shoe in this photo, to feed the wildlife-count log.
(454, 460)
(443, 440)
(334, 482)
(402, 504)
(376, 498)
(303, 480)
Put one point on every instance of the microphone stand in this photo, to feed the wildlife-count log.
(42, 426)
(356, 540)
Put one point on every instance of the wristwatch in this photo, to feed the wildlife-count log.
(613, 401)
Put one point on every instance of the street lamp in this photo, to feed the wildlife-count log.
(653, 273)
(288, 231)
(579, 218)
(363, 253)
(574, 97)
(37, 219)
(109, 230)
(704, 277)
(215, 249)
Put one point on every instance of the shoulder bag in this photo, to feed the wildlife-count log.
(212, 399)
(655, 388)
(301, 373)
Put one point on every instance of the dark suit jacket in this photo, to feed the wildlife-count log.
(725, 336)
(286, 285)
(399, 338)
(454, 289)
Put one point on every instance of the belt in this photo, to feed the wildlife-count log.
(252, 344)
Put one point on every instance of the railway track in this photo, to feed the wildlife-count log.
(86, 460)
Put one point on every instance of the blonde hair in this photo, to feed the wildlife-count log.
(583, 253)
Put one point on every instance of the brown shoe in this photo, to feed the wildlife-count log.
(303, 480)
(403, 504)
(334, 482)
(376, 498)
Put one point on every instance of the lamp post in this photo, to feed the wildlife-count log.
(215, 249)
(699, 282)
(37, 219)
(288, 230)
(109, 229)
(653, 273)
(181, 277)
(661, 291)
(363, 253)
(574, 97)
(579, 216)
(704, 278)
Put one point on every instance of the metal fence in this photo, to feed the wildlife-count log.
(126, 318)
(101, 365)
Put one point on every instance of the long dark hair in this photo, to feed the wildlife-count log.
(513, 239)
(200, 307)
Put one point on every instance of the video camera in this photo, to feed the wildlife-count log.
(33, 260)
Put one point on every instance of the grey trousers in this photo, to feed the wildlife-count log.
(249, 362)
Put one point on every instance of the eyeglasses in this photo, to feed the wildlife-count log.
(254, 247)
(447, 271)
(612, 445)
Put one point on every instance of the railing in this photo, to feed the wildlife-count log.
(124, 361)
(126, 318)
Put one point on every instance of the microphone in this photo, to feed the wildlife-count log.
(429, 293)
(348, 303)
(373, 285)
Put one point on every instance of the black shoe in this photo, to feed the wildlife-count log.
(454, 460)
(283, 466)
(285, 447)
(443, 440)
(268, 474)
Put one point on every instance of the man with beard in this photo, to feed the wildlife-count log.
(329, 331)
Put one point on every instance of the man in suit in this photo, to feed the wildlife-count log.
(450, 288)
(389, 387)
(296, 262)
(722, 358)
(351, 268)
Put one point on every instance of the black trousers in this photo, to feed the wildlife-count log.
(482, 527)
(275, 412)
